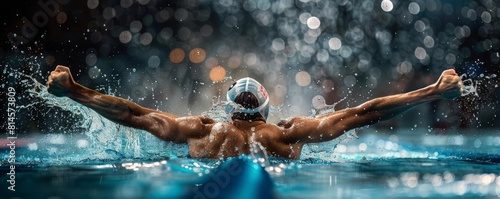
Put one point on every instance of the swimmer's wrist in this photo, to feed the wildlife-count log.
(433, 92)
(76, 91)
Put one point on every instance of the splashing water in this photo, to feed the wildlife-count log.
(470, 86)
(101, 140)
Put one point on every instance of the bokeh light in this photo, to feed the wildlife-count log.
(177, 55)
(62, 17)
(313, 22)
(197, 55)
(335, 49)
(303, 78)
(217, 74)
(387, 5)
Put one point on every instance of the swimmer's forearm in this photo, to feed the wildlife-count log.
(113, 108)
(390, 106)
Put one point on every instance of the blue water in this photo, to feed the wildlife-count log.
(107, 160)
(377, 165)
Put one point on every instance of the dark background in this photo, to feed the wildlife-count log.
(242, 29)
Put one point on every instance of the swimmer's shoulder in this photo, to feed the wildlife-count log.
(289, 122)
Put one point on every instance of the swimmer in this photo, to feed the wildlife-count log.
(249, 107)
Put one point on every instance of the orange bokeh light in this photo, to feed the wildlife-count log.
(197, 55)
(217, 74)
(177, 55)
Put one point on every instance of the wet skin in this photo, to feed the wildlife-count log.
(209, 139)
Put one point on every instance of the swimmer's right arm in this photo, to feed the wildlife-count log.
(163, 125)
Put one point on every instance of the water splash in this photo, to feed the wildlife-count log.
(470, 85)
(259, 154)
(105, 140)
(324, 108)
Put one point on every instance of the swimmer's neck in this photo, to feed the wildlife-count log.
(247, 124)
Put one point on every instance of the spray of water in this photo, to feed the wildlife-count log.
(470, 85)
(99, 139)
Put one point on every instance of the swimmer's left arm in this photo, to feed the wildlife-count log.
(330, 126)
(163, 125)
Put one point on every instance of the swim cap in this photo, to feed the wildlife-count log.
(248, 84)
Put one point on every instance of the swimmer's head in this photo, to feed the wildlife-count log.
(247, 100)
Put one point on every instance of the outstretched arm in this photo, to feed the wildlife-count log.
(163, 125)
(332, 125)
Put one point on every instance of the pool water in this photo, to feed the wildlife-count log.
(375, 165)
(106, 160)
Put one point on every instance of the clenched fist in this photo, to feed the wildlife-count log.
(449, 84)
(60, 81)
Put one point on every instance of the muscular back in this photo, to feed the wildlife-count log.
(222, 140)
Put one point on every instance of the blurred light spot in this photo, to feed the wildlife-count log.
(51, 59)
(217, 74)
(108, 13)
(162, 16)
(250, 59)
(92, 4)
(362, 147)
(61, 17)
(197, 55)
(166, 33)
(135, 26)
(313, 22)
(203, 15)
(327, 86)
(206, 30)
(448, 9)
(410, 179)
(450, 59)
(91, 59)
(340, 149)
(346, 52)
(404, 67)
(460, 188)
(334, 43)
(318, 102)
(95, 37)
(211, 62)
(278, 44)
(303, 78)
(146, 38)
(419, 26)
(33, 146)
(184, 33)
(125, 36)
(350, 81)
(487, 44)
(429, 41)
(322, 55)
(94, 72)
(143, 2)
(280, 90)
(82, 143)
(384, 37)
(486, 17)
(154, 61)
(304, 17)
(177, 55)
(477, 143)
(414, 8)
(420, 53)
(234, 62)
(126, 3)
(387, 5)
(223, 51)
(471, 14)
(181, 14)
